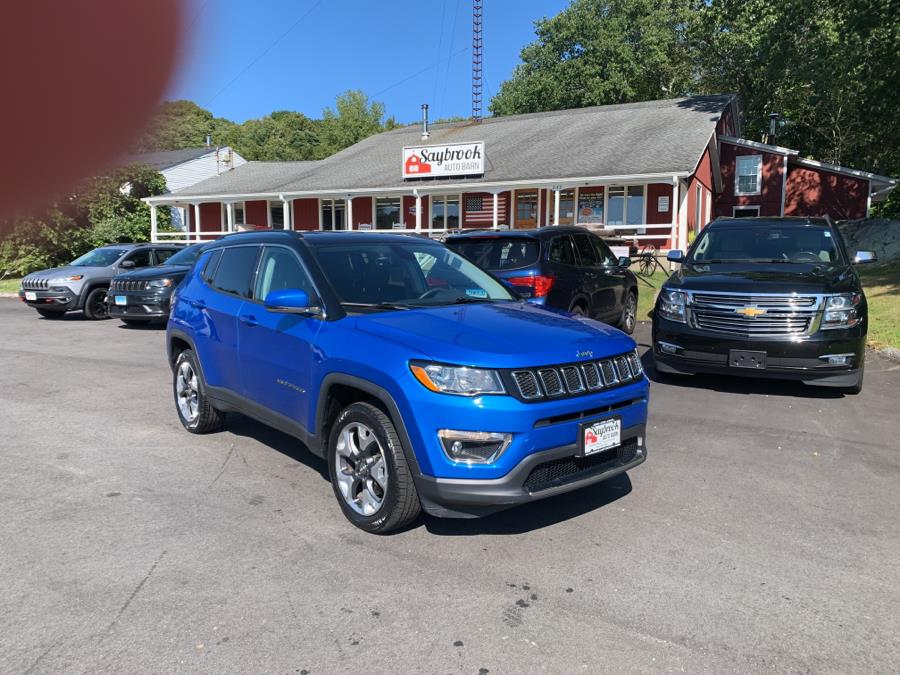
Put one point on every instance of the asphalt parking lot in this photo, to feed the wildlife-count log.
(760, 535)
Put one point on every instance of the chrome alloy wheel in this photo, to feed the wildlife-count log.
(362, 474)
(630, 313)
(187, 392)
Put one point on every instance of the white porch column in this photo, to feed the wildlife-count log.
(153, 223)
(349, 224)
(183, 210)
(418, 211)
(288, 220)
(495, 221)
(229, 216)
(196, 206)
(674, 207)
(556, 191)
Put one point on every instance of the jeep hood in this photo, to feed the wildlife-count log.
(157, 272)
(70, 270)
(764, 278)
(497, 335)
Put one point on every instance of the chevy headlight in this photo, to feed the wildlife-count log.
(841, 311)
(671, 305)
(459, 380)
(159, 283)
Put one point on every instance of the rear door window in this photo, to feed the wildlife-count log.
(209, 267)
(498, 253)
(141, 257)
(586, 252)
(562, 251)
(235, 270)
(604, 254)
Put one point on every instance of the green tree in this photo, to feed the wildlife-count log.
(597, 52)
(183, 124)
(284, 136)
(353, 119)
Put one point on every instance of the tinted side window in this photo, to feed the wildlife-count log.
(163, 254)
(561, 250)
(280, 269)
(586, 250)
(604, 254)
(209, 269)
(140, 258)
(235, 270)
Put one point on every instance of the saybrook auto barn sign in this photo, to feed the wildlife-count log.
(453, 159)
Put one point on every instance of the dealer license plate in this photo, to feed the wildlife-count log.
(599, 436)
(121, 300)
(30, 295)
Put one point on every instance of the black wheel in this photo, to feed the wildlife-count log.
(95, 305)
(195, 411)
(577, 310)
(51, 314)
(629, 313)
(369, 473)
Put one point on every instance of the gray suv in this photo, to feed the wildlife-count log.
(83, 283)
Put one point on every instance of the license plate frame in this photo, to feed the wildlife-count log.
(609, 435)
(31, 296)
(121, 300)
(747, 359)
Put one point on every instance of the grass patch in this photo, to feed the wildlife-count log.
(10, 285)
(647, 294)
(882, 286)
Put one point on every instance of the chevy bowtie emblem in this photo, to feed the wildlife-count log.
(750, 312)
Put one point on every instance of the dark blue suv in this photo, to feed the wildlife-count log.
(418, 376)
(568, 268)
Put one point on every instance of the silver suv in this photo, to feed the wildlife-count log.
(83, 283)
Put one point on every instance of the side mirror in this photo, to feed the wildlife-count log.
(291, 301)
(126, 264)
(863, 257)
(624, 261)
(675, 256)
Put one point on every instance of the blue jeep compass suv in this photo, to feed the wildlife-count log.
(416, 374)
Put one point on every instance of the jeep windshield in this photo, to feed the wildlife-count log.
(186, 256)
(404, 274)
(99, 257)
(497, 252)
(765, 243)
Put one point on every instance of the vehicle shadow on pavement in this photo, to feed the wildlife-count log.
(727, 384)
(535, 515)
(290, 447)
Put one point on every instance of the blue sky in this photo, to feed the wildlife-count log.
(400, 52)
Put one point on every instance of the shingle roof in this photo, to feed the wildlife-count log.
(653, 137)
(167, 158)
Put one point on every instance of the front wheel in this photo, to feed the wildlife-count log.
(629, 313)
(95, 305)
(369, 473)
(194, 408)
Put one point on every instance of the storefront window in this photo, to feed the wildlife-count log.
(526, 208)
(333, 211)
(239, 213)
(634, 209)
(444, 212)
(590, 206)
(387, 213)
(566, 207)
(626, 205)
(276, 212)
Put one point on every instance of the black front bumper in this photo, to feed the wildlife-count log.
(61, 300)
(543, 474)
(139, 305)
(799, 359)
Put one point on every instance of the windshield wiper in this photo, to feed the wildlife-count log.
(375, 305)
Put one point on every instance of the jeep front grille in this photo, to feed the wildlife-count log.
(34, 284)
(127, 285)
(575, 379)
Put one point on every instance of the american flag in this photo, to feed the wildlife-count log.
(480, 209)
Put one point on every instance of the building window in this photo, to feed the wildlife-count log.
(590, 206)
(276, 215)
(745, 211)
(239, 214)
(748, 175)
(566, 207)
(626, 205)
(333, 214)
(387, 214)
(526, 208)
(444, 212)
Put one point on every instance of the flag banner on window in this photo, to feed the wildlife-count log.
(480, 209)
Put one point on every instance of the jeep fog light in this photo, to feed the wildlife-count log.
(473, 447)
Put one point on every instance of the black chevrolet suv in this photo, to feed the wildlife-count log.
(769, 297)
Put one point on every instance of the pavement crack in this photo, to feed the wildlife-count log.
(40, 658)
(137, 589)
(222, 468)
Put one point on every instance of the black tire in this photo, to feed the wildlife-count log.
(95, 305)
(134, 322)
(577, 310)
(207, 418)
(628, 320)
(400, 502)
(51, 314)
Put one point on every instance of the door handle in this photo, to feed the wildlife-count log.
(249, 320)
(197, 304)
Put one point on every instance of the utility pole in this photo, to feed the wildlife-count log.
(477, 46)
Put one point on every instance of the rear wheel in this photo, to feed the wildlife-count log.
(577, 310)
(51, 314)
(95, 305)
(629, 313)
(194, 408)
(369, 473)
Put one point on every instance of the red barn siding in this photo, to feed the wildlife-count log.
(654, 215)
(256, 214)
(815, 192)
(542, 207)
(362, 212)
(211, 217)
(769, 199)
(305, 214)
(409, 217)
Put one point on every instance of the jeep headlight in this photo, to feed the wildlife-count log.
(459, 380)
(63, 280)
(841, 311)
(671, 305)
(159, 283)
